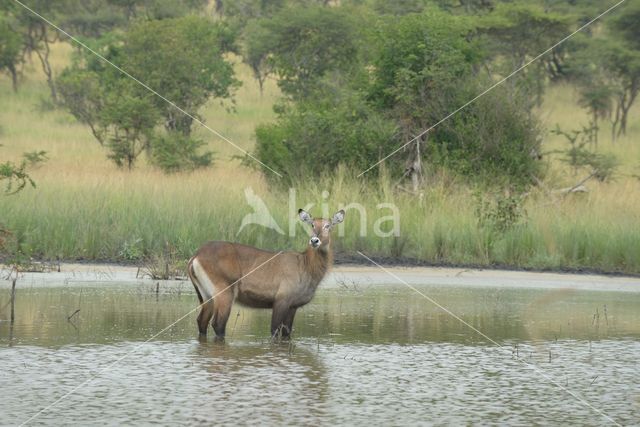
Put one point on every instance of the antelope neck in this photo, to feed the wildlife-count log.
(318, 261)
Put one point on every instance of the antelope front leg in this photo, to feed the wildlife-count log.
(279, 317)
(288, 322)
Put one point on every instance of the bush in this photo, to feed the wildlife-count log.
(173, 152)
(494, 139)
(182, 59)
(421, 68)
(318, 135)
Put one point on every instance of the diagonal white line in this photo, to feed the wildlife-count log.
(524, 362)
(115, 362)
(513, 73)
(173, 104)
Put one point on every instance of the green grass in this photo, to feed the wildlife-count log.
(86, 208)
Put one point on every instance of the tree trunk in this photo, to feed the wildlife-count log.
(626, 101)
(219, 7)
(596, 129)
(14, 77)
(416, 167)
(46, 67)
(261, 84)
(614, 124)
(622, 130)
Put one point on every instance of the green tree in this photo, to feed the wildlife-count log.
(16, 176)
(10, 50)
(417, 69)
(399, 7)
(420, 66)
(307, 42)
(174, 151)
(596, 98)
(243, 11)
(154, 9)
(607, 67)
(93, 18)
(37, 36)
(181, 58)
(318, 134)
(518, 31)
(257, 51)
(624, 63)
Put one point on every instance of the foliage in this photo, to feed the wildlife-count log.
(626, 25)
(10, 50)
(16, 176)
(518, 31)
(130, 123)
(132, 250)
(421, 68)
(607, 73)
(620, 75)
(257, 51)
(84, 96)
(37, 35)
(426, 69)
(174, 151)
(495, 140)
(316, 136)
(35, 158)
(246, 10)
(581, 154)
(399, 7)
(166, 265)
(306, 42)
(181, 59)
(419, 63)
(95, 18)
(500, 212)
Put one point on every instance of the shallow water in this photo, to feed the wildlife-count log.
(360, 355)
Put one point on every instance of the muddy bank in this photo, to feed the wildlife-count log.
(347, 275)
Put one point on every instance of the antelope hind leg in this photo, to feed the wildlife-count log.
(221, 309)
(206, 313)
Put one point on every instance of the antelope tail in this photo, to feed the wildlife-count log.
(194, 280)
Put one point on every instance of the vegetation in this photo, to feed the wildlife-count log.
(180, 57)
(16, 177)
(326, 92)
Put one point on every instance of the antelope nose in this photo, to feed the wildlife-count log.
(315, 242)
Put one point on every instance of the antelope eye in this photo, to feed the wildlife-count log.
(326, 226)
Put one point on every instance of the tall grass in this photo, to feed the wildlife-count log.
(86, 208)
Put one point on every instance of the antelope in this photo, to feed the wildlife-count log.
(224, 272)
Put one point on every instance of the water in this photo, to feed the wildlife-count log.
(381, 354)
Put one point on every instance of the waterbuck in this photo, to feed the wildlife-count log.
(224, 272)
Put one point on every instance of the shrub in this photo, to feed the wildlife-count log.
(316, 136)
(173, 152)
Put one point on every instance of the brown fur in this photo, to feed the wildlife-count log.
(260, 279)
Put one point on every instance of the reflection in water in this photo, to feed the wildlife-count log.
(293, 378)
(381, 355)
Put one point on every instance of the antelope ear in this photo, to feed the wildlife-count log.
(304, 216)
(338, 217)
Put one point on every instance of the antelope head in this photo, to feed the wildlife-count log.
(321, 228)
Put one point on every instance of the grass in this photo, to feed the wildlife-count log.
(86, 208)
